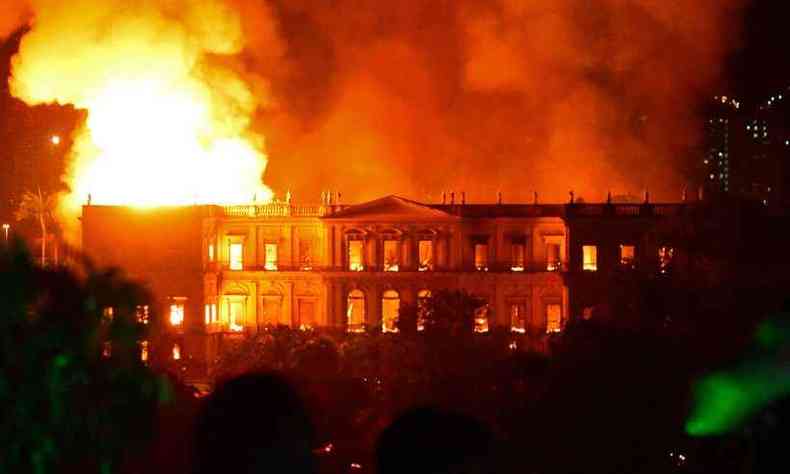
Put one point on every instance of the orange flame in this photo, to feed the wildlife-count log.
(168, 106)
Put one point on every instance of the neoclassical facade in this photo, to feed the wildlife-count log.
(353, 266)
(226, 271)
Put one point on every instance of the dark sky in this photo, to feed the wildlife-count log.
(758, 66)
(762, 62)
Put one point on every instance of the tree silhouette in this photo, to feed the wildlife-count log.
(37, 206)
(75, 392)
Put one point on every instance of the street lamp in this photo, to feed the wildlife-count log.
(5, 228)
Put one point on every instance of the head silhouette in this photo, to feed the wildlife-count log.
(426, 440)
(254, 424)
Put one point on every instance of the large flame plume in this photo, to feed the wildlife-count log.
(168, 109)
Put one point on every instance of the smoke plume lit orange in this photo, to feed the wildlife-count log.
(416, 97)
(168, 115)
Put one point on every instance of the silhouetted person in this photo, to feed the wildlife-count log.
(254, 424)
(426, 441)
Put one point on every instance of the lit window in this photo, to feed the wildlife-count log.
(481, 319)
(271, 257)
(213, 312)
(423, 297)
(306, 254)
(177, 314)
(665, 256)
(519, 249)
(142, 314)
(210, 252)
(306, 314)
(144, 351)
(390, 305)
(236, 256)
(589, 258)
(208, 314)
(391, 256)
(355, 311)
(426, 255)
(108, 313)
(176, 352)
(355, 262)
(481, 257)
(627, 255)
(552, 257)
(553, 317)
(236, 312)
(518, 313)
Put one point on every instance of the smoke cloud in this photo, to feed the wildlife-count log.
(415, 97)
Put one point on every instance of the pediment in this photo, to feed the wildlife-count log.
(391, 208)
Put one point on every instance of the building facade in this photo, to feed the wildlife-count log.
(220, 272)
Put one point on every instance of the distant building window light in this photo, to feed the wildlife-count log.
(142, 314)
(627, 255)
(355, 256)
(665, 256)
(391, 255)
(390, 306)
(355, 311)
(553, 318)
(552, 257)
(176, 314)
(236, 256)
(144, 351)
(210, 252)
(208, 314)
(589, 258)
(481, 319)
(108, 313)
(176, 351)
(270, 251)
(306, 254)
(518, 313)
(213, 312)
(236, 312)
(425, 249)
(481, 257)
(519, 251)
(423, 299)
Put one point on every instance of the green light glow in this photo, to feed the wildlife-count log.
(725, 400)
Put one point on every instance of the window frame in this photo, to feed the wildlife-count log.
(592, 265)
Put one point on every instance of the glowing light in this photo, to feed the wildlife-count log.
(55, 140)
(176, 352)
(176, 314)
(144, 351)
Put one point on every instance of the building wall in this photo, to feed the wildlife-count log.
(185, 252)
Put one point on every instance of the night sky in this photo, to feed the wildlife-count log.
(758, 66)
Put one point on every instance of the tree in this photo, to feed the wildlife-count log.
(38, 206)
(451, 312)
(76, 395)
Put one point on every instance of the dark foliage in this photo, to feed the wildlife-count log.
(75, 395)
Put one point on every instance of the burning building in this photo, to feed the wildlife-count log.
(224, 271)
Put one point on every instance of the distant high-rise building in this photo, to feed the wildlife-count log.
(746, 146)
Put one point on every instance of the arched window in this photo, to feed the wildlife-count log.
(390, 304)
(423, 296)
(355, 311)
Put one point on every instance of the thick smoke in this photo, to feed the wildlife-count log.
(415, 97)
(517, 95)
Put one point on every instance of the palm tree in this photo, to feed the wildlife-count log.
(38, 206)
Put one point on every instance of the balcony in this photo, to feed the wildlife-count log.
(533, 267)
(273, 210)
